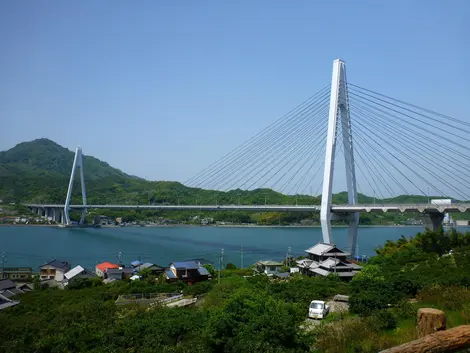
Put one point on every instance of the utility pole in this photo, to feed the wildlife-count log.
(288, 256)
(221, 261)
(241, 257)
(3, 260)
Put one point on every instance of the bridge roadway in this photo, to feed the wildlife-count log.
(422, 208)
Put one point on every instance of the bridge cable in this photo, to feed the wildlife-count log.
(398, 159)
(286, 153)
(397, 139)
(423, 147)
(267, 144)
(298, 137)
(411, 105)
(279, 123)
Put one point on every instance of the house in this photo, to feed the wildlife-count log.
(188, 271)
(17, 273)
(268, 267)
(114, 274)
(153, 269)
(54, 269)
(78, 272)
(324, 259)
(103, 267)
(8, 288)
(127, 272)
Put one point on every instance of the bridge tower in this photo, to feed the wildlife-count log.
(339, 112)
(77, 163)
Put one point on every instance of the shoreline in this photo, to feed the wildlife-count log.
(203, 226)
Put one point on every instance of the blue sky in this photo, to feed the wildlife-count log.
(161, 89)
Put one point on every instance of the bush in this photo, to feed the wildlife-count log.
(452, 298)
(230, 266)
(382, 320)
(404, 309)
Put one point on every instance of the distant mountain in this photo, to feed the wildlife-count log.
(39, 171)
(45, 157)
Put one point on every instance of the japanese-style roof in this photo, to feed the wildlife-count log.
(7, 284)
(320, 271)
(269, 263)
(106, 265)
(74, 271)
(304, 263)
(147, 265)
(322, 249)
(329, 262)
(188, 265)
(64, 265)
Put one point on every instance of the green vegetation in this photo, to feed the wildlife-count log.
(39, 171)
(253, 314)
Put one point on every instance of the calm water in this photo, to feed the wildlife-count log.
(33, 246)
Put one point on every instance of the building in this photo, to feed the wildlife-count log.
(325, 259)
(103, 267)
(188, 271)
(153, 269)
(54, 269)
(16, 273)
(8, 288)
(78, 272)
(268, 267)
(114, 273)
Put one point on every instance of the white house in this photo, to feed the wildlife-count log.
(268, 267)
(54, 269)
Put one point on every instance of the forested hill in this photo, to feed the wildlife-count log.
(39, 171)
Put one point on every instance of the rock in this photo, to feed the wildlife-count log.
(430, 321)
(453, 340)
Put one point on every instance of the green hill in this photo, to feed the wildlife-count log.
(39, 171)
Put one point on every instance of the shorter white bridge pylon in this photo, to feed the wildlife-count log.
(77, 163)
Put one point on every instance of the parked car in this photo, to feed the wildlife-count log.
(318, 309)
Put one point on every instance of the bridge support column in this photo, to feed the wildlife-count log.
(77, 163)
(433, 220)
(339, 110)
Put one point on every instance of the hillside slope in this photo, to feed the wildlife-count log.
(39, 170)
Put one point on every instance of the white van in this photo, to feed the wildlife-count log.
(318, 309)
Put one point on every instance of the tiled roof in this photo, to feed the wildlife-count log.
(321, 271)
(105, 265)
(329, 262)
(7, 284)
(189, 265)
(320, 248)
(304, 263)
(64, 265)
(270, 263)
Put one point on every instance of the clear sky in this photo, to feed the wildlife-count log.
(161, 89)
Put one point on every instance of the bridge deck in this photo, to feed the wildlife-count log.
(462, 207)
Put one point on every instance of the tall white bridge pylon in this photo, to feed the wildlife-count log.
(77, 163)
(339, 112)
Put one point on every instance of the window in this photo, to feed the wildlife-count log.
(316, 306)
(272, 268)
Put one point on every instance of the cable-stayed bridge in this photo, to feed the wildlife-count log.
(344, 137)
